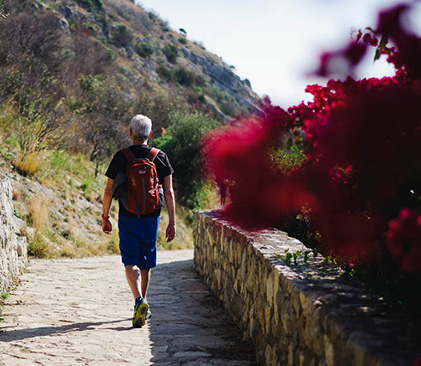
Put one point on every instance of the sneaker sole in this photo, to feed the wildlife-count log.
(140, 316)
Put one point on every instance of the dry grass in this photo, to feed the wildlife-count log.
(214, 199)
(39, 211)
(17, 195)
(29, 163)
(183, 238)
(65, 217)
(40, 247)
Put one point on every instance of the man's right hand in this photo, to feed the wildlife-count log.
(170, 232)
(107, 227)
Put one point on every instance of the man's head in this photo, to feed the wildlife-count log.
(140, 127)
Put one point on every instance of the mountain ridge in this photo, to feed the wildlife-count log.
(115, 28)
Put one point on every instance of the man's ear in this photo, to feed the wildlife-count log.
(131, 132)
(150, 134)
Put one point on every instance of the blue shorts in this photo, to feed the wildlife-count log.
(138, 240)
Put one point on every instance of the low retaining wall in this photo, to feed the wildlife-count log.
(309, 314)
(13, 248)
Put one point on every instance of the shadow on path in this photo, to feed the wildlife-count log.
(78, 312)
(19, 334)
(189, 325)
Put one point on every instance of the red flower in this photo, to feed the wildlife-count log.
(351, 236)
(355, 53)
(371, 40)
(361, 141)
(403, 239)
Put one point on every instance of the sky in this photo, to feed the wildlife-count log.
(276, 43)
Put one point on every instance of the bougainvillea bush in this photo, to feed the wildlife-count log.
(342, 172)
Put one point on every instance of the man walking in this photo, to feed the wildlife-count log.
(138, 232)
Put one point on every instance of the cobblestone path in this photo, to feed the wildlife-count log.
(78, 312)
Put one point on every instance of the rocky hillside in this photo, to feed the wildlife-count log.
(72, 74)
(151, 55)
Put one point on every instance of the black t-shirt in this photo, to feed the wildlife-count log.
(119, 164)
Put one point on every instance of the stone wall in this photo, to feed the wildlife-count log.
(309, 314)
(13, 248)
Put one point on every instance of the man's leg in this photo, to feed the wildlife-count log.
(139, 281)
(145, 275)
(133, 275)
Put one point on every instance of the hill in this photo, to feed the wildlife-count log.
(101, 61)
(72, 74)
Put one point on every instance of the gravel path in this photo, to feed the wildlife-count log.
(78, 312)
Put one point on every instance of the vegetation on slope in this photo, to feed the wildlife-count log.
(72, 74)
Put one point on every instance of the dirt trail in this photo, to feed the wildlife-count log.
(78, 312)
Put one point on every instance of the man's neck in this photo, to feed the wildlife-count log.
(137, 142)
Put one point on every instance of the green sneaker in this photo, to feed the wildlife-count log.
(148, 314)
(140, 313)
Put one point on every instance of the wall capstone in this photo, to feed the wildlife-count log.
(13, 248)
(310, 314)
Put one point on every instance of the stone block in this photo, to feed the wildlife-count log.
(13, 249)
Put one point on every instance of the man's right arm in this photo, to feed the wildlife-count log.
(170, 203)
(106, 205)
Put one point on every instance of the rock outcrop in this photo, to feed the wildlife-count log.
(226, 80)
(13, 248)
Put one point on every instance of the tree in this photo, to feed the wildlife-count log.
(182, 144)
(102, 107)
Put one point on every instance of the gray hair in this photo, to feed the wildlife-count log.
(141, 127)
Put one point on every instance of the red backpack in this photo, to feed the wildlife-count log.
(144, 193)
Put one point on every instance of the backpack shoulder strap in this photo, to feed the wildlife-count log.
(153, 153)
(128, 154)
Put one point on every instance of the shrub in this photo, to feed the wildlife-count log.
(104, 106)
(165, 73)
(30, 60)
(59, 161)
(153, 16)
(171, 53)
(87, 186)
(122, 35)
(227, 109)
(144, 49)
(159, 107)
(110, 54)
(39, 247)
(94, 6)
(181, 142)
(91, 57)
(184, 76)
